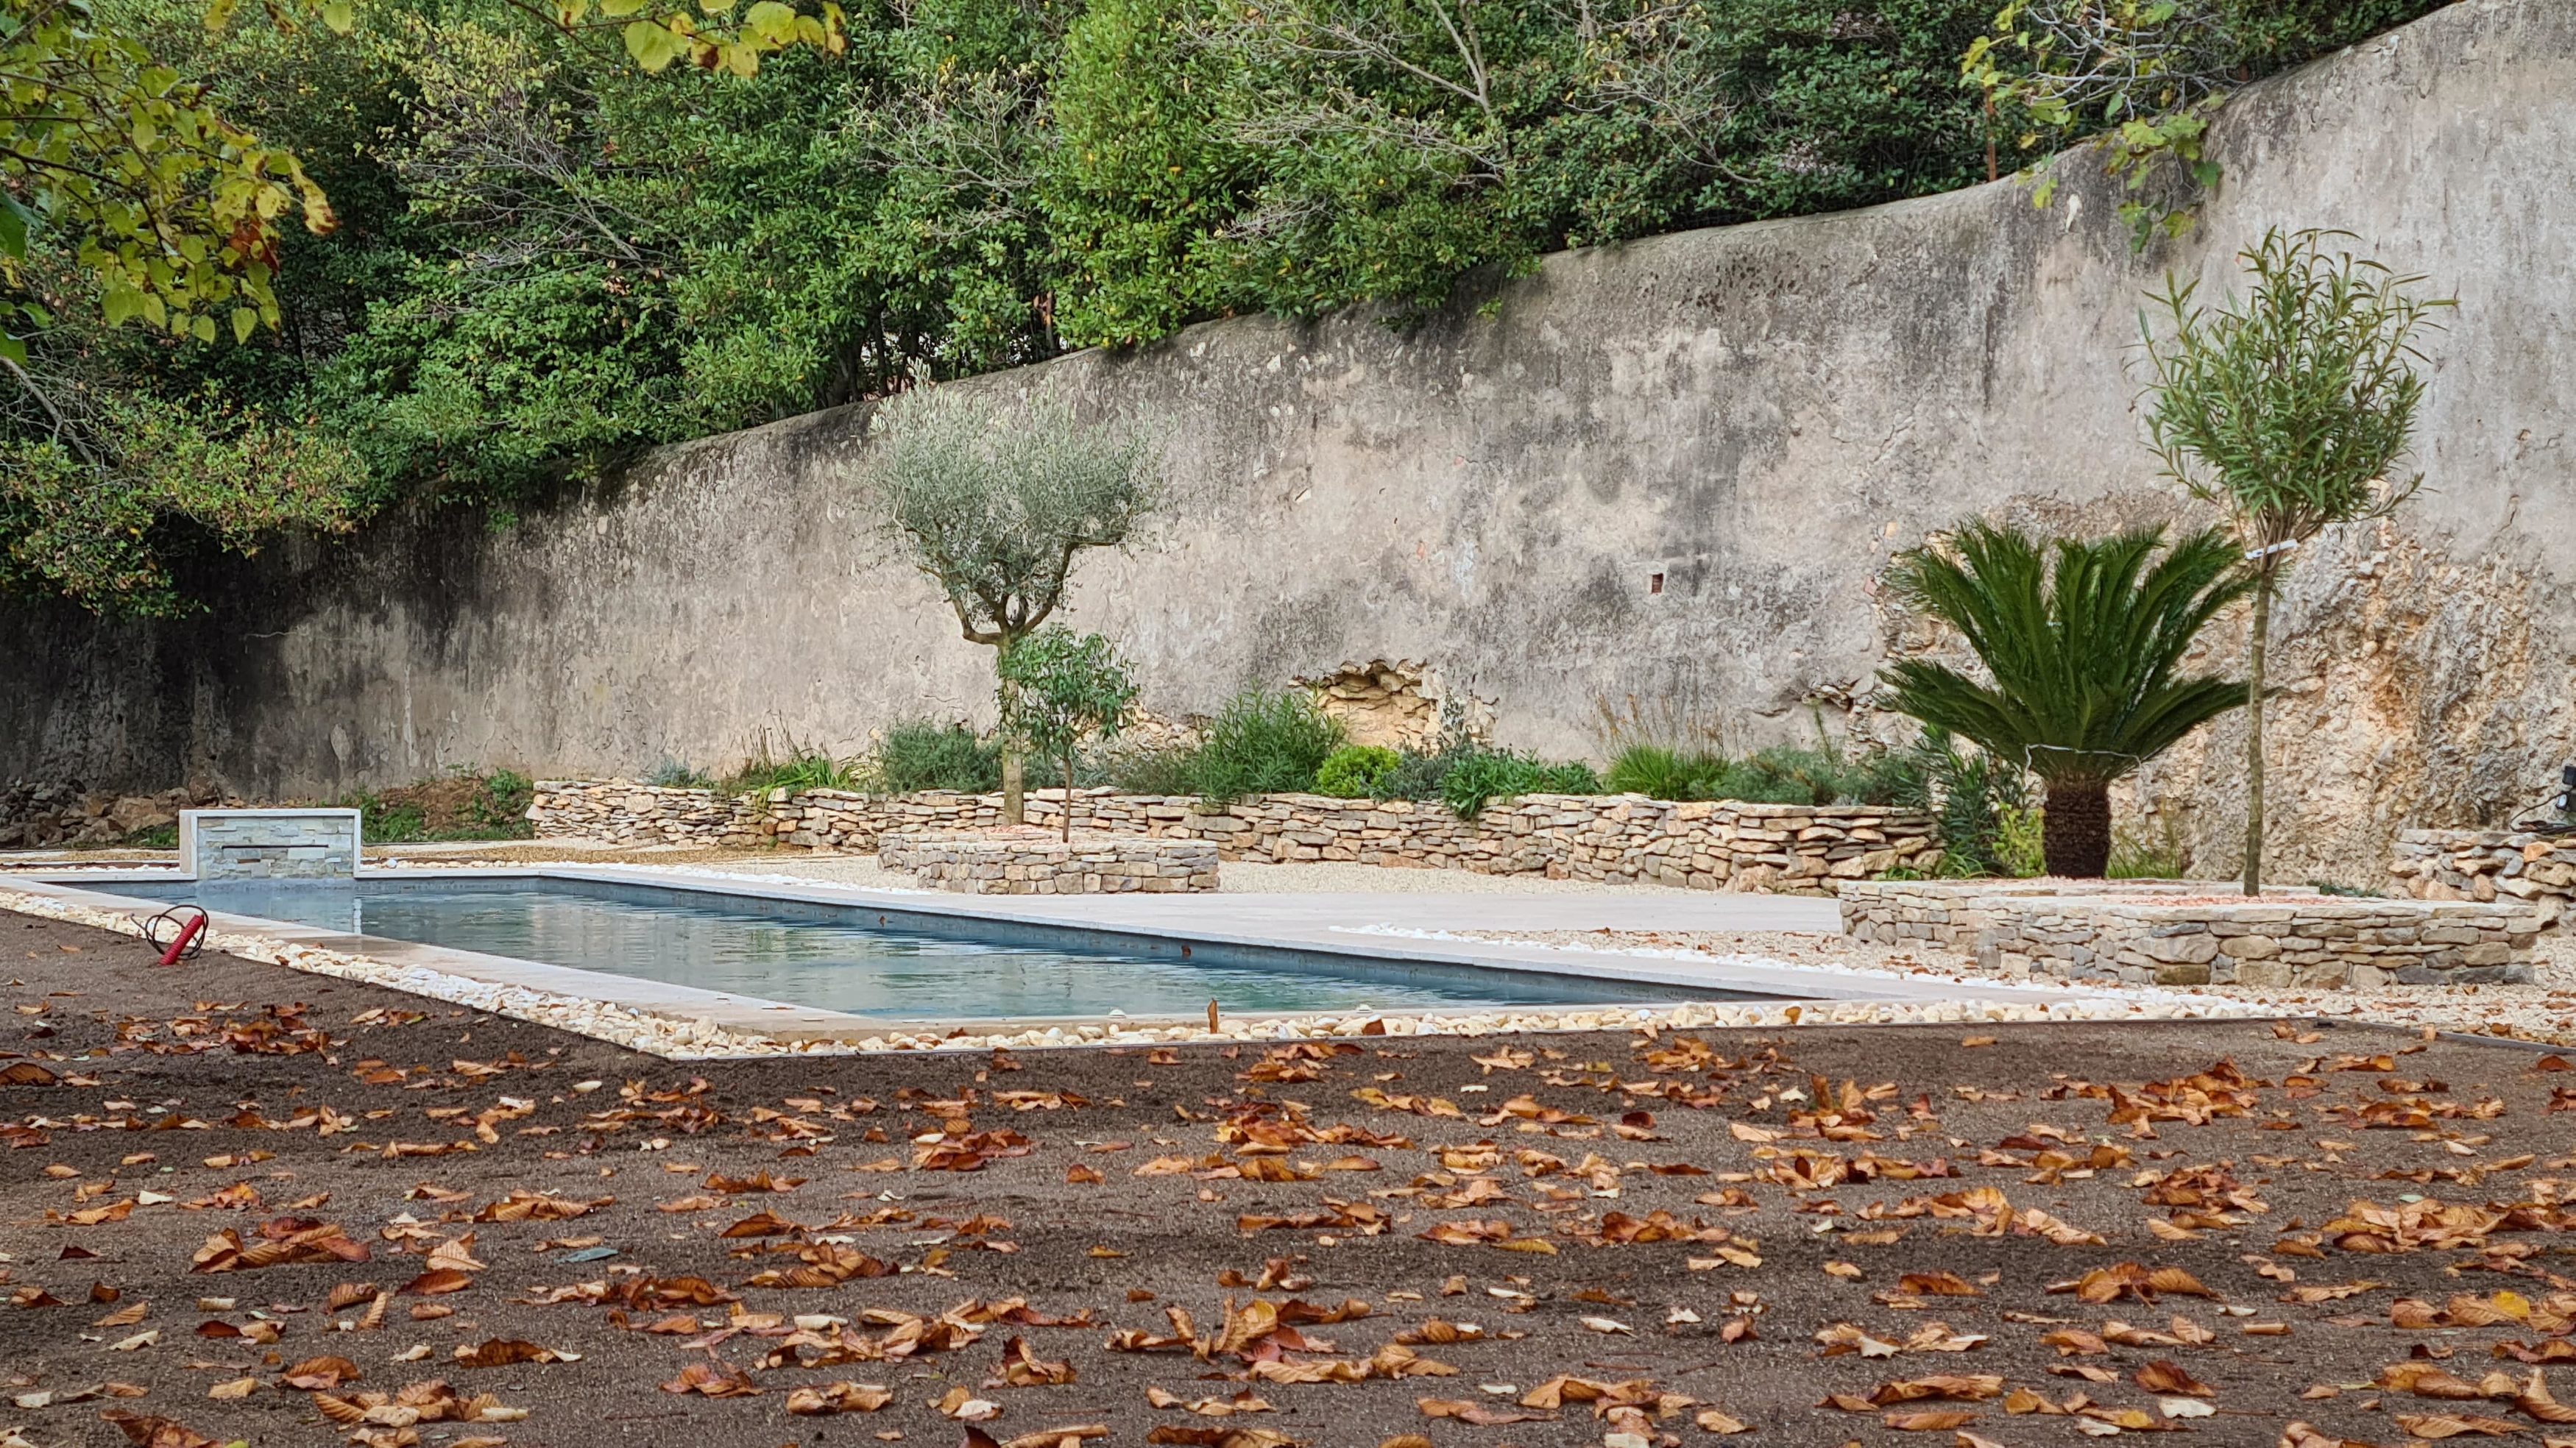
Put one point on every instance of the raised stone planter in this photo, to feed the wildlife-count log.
(1033, 862)
(1722, 845)
(2181, 934)
(2488, 865)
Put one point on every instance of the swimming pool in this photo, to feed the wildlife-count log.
(885, 962)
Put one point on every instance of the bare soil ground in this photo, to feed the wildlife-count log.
(244, 1203)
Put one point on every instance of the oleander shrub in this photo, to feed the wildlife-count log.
(1262, 743)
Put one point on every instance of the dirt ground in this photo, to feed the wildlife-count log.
(1897, 1236)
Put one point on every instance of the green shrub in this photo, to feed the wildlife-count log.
(463, 805)
(1967, 794)
(498, 808)
(802, 767)
(2135, 856)
(1134, 768)
(1262, 743)
(1356, 771)
(916, 755)
(1477, 777)
(672, 774)
(1782, 774)
(1661, 773)
(2018, 833)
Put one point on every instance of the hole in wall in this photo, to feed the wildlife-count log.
(1654, 583)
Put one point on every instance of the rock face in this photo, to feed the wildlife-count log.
(2173, 935)
(34, 816)
(1721, 845)
(1668, 473)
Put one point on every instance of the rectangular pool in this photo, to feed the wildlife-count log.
(885, 962)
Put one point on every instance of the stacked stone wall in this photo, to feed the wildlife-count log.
(1032, 862)
(1706, 845)
(2489, 865)
(2172, 935)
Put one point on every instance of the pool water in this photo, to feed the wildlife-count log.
(884, 963)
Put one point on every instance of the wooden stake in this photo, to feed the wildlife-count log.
(1211, 1017)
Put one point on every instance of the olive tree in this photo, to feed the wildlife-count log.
(994, 500)
(1065, 690)
(2289, 411)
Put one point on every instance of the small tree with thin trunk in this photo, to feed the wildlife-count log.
(2289, 411)
(994, 500)
(1066, 690)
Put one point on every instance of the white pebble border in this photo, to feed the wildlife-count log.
(2104, 1002)
(678, 1039)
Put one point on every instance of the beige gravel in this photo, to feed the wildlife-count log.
(2544, 1010)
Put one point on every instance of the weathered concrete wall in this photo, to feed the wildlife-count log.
(1760, 415)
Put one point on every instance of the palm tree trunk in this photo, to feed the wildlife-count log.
(2262, 635)
(2075, 828)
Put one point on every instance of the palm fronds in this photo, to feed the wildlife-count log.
(2082, 656)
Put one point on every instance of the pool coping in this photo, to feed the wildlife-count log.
(1782, 983)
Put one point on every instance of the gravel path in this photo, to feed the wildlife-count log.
(1829, 1237)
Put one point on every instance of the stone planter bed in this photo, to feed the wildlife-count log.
(2487, 865)
(1036, 862)
(2183, 934)
(1721, 845)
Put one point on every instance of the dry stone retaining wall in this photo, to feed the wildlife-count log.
(2486, 865)
(2172, 935)
(1036, 863)
(1711, 845)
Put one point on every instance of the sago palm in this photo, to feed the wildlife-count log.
(2081, 639)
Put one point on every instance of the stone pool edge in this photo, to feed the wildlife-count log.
(679, 1022)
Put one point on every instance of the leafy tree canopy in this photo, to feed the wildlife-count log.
(471, 252)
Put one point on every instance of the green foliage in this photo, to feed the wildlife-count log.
(995, 501)
(464, 805)
(1133, 768)
(2082, 642)
(1064, 690)
(794, 766)
(1970, 795)
(1781, 774)
(1356, 771)
(2162, 856)
(1262, 743)
(916, 755)
(2147, 76)
(551, 260)
(2291, 409)
(2021, 841)
(1476, 777)
(676, 774)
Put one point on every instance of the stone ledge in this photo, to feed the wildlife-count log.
(1034, 862)
(2486, 865)
(2182, 933)
(1707, 845)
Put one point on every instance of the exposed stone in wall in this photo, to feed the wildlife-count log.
(2539, 870)
(34, 816)
(1034, 862)
(2176, 935)
(1396, 704)
(1719, 845)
